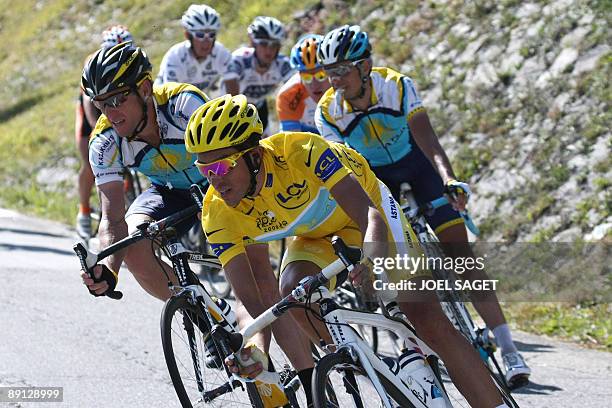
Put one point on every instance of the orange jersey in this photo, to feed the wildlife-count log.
(295, 108)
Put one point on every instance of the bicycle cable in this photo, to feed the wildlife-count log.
(160, 242)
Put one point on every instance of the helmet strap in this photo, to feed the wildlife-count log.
(144, 118)
(254, 167)
(365, 76)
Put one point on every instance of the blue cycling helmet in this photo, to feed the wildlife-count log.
(304, 53)
(347, 43)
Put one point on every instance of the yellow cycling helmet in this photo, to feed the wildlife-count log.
(223, 122)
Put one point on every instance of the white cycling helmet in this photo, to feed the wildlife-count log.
(346, 43)
(267, 28)
(199, 17)
(115, 35)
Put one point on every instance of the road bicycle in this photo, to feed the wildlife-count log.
(352, 374)
(453, 301)
(187, 321)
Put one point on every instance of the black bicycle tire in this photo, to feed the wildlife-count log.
(503, 390)
(324, 366)
(171, 306)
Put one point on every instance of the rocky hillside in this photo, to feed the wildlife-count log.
(519, 94)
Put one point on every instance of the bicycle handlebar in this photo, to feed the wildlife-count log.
(89, 259)
(439, 202)
(347, 259)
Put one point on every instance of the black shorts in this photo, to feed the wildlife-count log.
(159, 202)
(425, 182)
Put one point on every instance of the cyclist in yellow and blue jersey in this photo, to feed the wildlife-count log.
(378, 112)
(85, 120)
(299, 185)
(141, 126)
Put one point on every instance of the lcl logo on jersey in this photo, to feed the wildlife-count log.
(296, 196)
(327, 165)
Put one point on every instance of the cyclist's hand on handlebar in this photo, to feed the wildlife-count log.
(361, 275)
(105, 280)
(250, 371)
(457, 194)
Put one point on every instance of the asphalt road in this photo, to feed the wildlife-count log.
(107, 353)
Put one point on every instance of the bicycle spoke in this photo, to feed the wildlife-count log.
(213, 380)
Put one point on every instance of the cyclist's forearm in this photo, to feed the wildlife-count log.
(375, 234)
(425, 137)
(110, 232)
(232, 86)
(441, 162)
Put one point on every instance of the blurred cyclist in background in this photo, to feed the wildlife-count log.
(256, 70)
(378, 112)
(200, 60)
(85, 120)
(297, 99)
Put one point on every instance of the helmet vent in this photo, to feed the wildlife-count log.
(234, 111)
(241, 129)
(204, 112)
(211, 134)
(200, 132)
(216, 115)
(225, 132)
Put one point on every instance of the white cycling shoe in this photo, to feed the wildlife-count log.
(517, 371)
(83, 225)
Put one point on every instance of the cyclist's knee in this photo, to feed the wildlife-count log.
(453, 233)
(135, 257)
(293, 273)
(288, 281)
(429, 321)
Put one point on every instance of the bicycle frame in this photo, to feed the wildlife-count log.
(336, 321)
(465, 325)
(344, 336)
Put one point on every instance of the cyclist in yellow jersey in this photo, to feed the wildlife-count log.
(298, 184)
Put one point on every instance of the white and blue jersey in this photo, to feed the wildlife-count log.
(253, 85)
(180, 65)
(169, 164)
(381, 134)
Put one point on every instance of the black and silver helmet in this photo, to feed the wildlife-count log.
(114, 68)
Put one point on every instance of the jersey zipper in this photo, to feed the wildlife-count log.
(378, 137)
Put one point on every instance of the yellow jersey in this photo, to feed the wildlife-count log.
(299, 171)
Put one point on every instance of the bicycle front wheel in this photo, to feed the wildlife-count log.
(351, 385)
(183, 328)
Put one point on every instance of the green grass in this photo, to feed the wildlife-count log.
(586, 324)
(43, 61)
